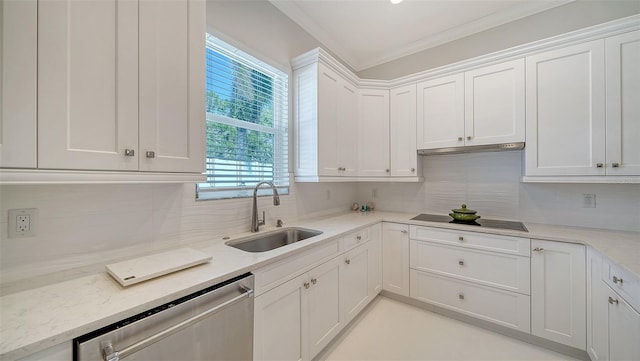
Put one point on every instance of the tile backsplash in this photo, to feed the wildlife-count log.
(490, 183)
(83, 225)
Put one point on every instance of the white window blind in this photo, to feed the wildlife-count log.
(247, 123)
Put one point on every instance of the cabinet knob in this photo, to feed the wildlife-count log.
(387, 170)
(461, 262)
(461, 296)
(314, 281)
(468, 137)
(150, 154)
(613, 300)
(307, 285)
(615, 165)
(129, 152)
(460, 139)
(599, 165)
(342, 168)
(413, 170)
(538, 249)
(460, 238)
(617, 280)
(347, 261)
(404, 231)
(359, 238)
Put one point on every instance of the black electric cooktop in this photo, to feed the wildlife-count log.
(486, 223)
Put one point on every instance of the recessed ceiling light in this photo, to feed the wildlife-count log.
(394, 2)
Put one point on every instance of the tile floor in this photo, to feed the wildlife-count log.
(391, 330)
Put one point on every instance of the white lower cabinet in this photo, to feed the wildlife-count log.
(558, 292)
(296, 319)
(395, 258)
(613, 325)
(505, 308)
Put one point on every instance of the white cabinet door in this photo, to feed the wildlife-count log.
(440, 109)
(565, 109)
(494, 104)
(624, 330)
(395, 258)
(597, 309)
(337, 123)
(373, 133)
(172, 55)
(281, 322)
(18, 83)
(356, 293)
(87, 84)
(623, 107)
(402, 143)
(375, 260)
(558, 294)
(324, 305)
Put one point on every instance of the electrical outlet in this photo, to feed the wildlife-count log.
(588, 201)
(23, 222)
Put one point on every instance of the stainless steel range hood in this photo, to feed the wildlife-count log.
(473, 148)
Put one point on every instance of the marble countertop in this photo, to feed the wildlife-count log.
(35, 319)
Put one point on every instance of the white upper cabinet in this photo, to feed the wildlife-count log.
(18, 83)
(373, 133)
(494, 104)
(478, 107)
(87, 85)
(440, 112)
(325, 115)
(565, 111)
(623, 108)
(402, 143)
(172, 89)
(120, 87)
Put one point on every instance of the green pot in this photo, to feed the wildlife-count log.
(464, 217)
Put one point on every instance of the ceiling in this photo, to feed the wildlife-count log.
(365, 33)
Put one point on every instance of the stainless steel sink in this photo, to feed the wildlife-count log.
(274, 239)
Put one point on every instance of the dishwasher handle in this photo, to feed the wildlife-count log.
(110, 354)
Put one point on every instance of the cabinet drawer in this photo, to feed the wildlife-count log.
(506, 308)
(489, 242)
(273, 275)
(626, 284)
(355, 238)
(505, 271)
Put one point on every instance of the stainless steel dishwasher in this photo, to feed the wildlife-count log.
(213, 324)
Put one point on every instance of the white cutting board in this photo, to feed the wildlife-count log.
(144, 268)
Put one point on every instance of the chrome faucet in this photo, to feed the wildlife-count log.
(255, 222)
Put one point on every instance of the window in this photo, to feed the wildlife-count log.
(247, 123)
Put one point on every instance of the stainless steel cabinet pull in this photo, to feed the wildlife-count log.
(460, 238)
(386, 170)
(613, 300)
(342, 168)
(413, 170)
(109, 354)
(404, 231)
(314, 281)
(129, 152)
(461, 296)
(599, 165)
(615, 165)
(468, 137)
(617, 280)
(151, 154)
(460, 139)
(359, 238)
(461, 262)
(347, 261)
(307, 285)
(538, 249)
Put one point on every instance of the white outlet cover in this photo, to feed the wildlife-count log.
(33, 222)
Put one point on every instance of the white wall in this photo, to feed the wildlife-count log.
(490, 184)
(81, 225)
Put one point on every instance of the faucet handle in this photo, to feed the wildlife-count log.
(279, 223)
